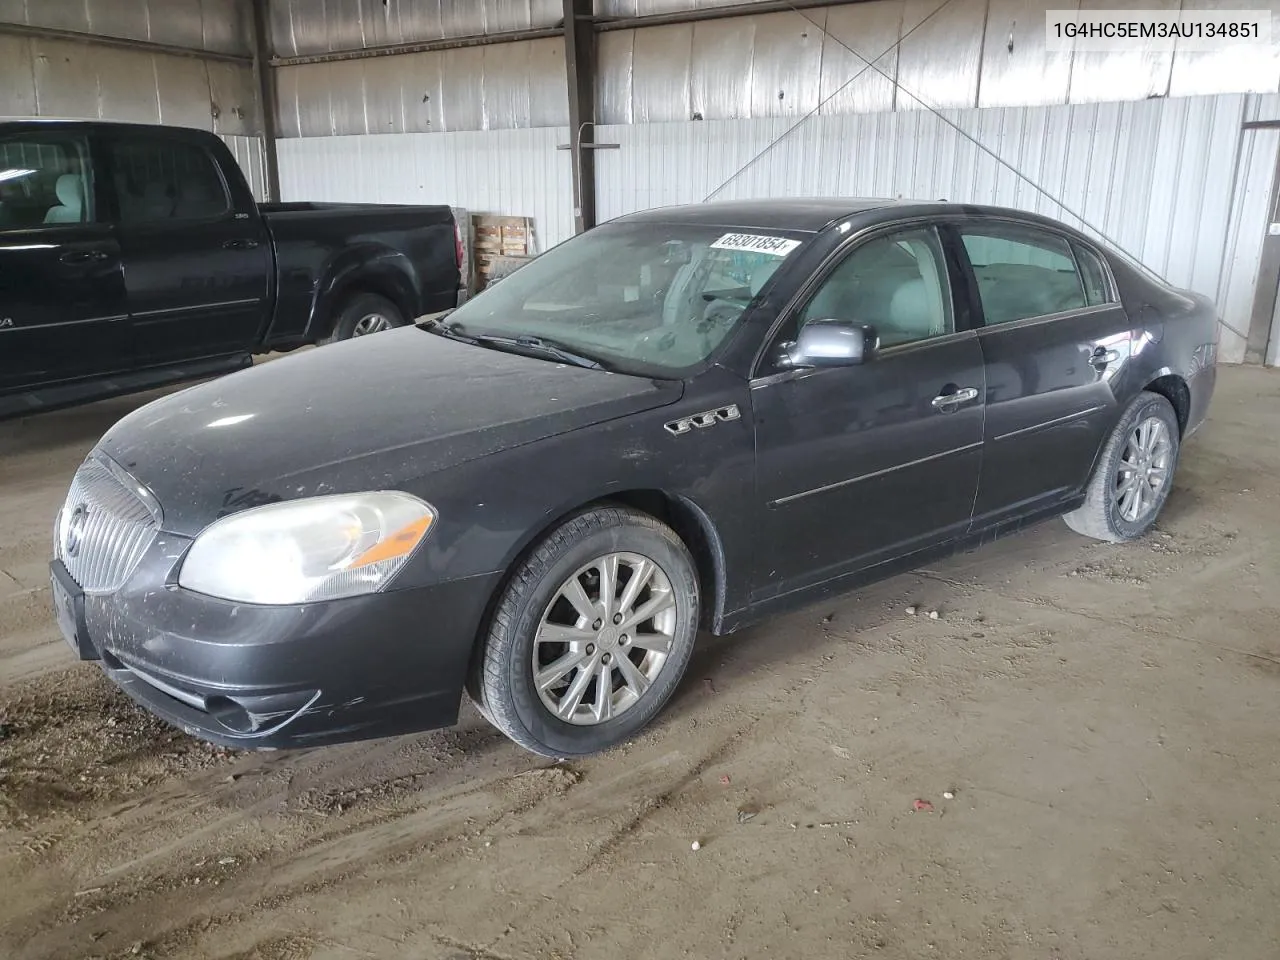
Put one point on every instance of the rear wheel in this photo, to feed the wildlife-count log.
(591, 635)
(1134, 473)
(363, 314)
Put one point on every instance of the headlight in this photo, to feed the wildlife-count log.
(320, 548)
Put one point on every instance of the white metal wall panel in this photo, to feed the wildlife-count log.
(860, 57)
(1154, 178)
(470, 88)
(965, 53)
(304, 27)
(939, 62)
(1016, 66)
(53, 78)
(1249, 219)
(251, 157)
(215, 25)
(17, 78)
(509, 172)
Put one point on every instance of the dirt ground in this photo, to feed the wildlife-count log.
(1094, 727)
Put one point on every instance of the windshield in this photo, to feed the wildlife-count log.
(638, 297)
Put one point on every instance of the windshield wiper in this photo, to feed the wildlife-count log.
(539, 347)
(438, 326)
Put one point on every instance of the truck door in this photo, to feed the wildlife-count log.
(63, 314)
(196, 260)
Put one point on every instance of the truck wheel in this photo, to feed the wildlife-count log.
(363, 314)
(1134, 473)
(591, 635)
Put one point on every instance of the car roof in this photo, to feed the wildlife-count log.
(73, 122)
(806, 214)
(814, 214)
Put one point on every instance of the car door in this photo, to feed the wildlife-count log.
(859, 464)
(196, 268)
(1056, 342)
(63, 314)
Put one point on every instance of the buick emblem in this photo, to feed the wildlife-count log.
(75, 530)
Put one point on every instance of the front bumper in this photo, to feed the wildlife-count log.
(251, 676)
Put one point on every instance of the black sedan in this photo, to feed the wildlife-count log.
(686, 418)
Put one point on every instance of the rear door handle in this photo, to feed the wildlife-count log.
(947, 402)
(1102, 356)
(239, 244)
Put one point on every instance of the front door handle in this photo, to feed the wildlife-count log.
(240, 245)
(949, 402)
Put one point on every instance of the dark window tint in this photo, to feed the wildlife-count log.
(44, 180)
(160, 180)
(897, 283)
(1022, 272)
(1097, 289)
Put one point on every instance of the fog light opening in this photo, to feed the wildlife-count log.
(230, 714)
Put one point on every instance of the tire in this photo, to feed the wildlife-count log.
(1105, 514)
(534, 605)
(361, 311)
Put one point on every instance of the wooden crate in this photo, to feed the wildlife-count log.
(498, 237)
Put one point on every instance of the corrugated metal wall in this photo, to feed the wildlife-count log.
(59, 78)
(514, 172)
(251, 156)
(213, 25)
(966, 53)
(305, 27)
(503, 86)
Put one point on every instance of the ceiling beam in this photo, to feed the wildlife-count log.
(120, 43)
(750, 8)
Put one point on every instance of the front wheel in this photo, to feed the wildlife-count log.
(590, 636)
(1134, 474)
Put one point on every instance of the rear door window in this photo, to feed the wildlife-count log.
(159, 180)
(1022, 272)
(45, 180)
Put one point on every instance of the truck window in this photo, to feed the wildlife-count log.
(44, 180)
(159, 180)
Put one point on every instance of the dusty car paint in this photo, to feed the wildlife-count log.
(818, 481)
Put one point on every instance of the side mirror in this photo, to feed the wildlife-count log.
(830, 343)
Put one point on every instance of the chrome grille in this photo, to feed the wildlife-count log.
(106, 525)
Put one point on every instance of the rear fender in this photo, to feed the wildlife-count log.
(366, 268)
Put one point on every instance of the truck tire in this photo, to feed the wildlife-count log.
(363, 314)
(580, 654)
(1134, 473)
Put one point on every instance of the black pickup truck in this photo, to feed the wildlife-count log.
(135, 256)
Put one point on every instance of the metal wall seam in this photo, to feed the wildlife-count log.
(511, 172)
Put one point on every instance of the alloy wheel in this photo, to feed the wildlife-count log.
(1144, 470)
(604, 638)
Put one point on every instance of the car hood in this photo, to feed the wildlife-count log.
(371, 413)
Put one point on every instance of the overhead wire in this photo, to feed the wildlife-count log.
(871, 64)
(831, 96)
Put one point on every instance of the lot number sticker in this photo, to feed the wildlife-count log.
(752, 243)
